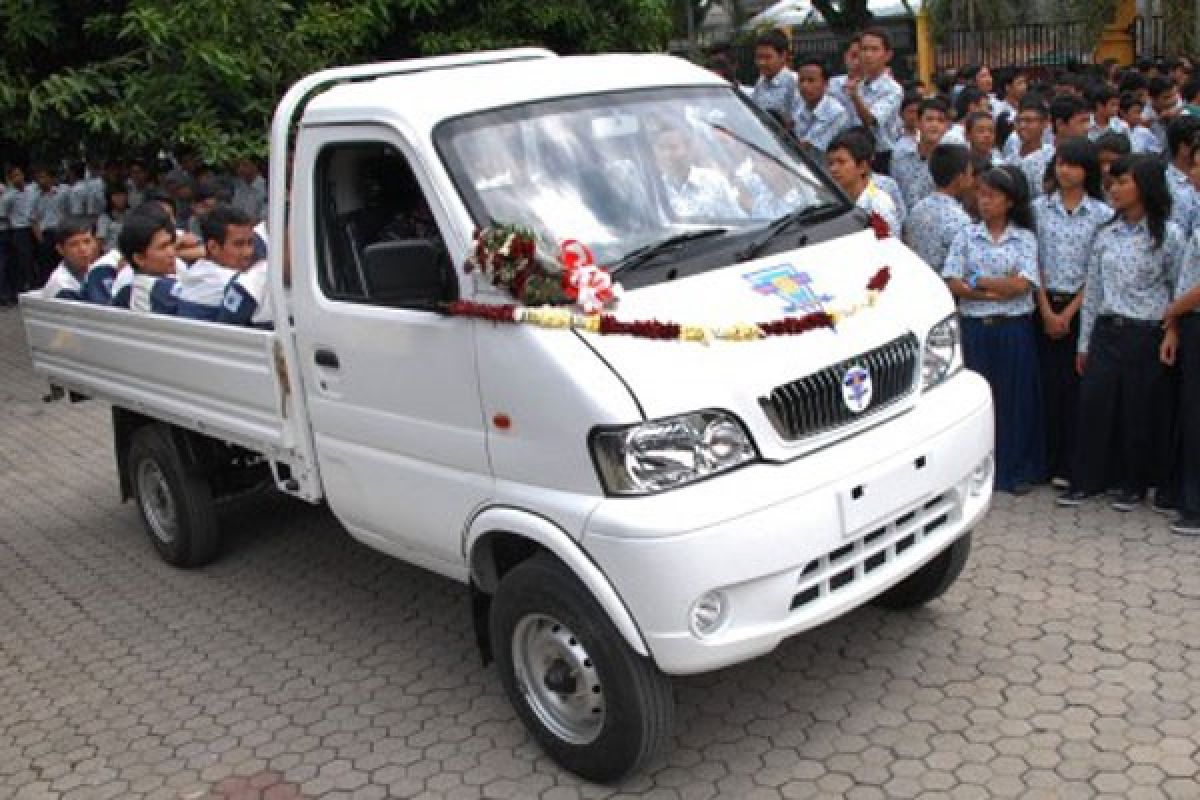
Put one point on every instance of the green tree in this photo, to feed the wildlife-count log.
(845, 16)
(123, 76)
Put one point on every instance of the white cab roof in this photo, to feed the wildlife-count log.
(423, 99)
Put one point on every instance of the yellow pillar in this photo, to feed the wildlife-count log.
(1117, 39)
(925, 51)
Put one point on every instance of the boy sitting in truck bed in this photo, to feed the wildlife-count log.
(78, 248)
(148, 243)
(228, 235)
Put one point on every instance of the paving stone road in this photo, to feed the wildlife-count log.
(303, 665)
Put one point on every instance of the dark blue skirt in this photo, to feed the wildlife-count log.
(1006, 355)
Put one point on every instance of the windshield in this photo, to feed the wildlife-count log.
(620, 171)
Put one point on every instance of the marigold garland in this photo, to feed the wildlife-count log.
(558, 317)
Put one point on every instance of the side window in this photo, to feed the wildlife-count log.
(378, 241)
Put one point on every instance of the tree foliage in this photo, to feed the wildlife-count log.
(844, 16)
(130, 75)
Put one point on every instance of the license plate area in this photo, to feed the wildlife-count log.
(875, 496)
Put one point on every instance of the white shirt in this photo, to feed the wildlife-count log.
(63, 280)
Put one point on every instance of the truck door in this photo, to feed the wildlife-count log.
(394, 400)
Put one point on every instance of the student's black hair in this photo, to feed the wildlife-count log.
(1129, 100)
(947, 162)
(1098, 94)
(156, 196)
(974, 118)
(1112, 142)
(981, 163)
(206, 189)
(1065, 106)
(216, 224)
(71, 226)
(966, 98)
(1160, 84)
(913, 87)
(1179, 133)
(967, 74)
(935, 103)
(814, 61)
(911, 99)
(777, 40)
(1034, 102)
(138, 231)
(111, 189)
(1003, 77)
(1149, 175)
(944, 83)
(880, 34)
(855, 141)
(1011, 181)
(1078, 151)
(1068, 79)
(1190, 90)
(1132, 82)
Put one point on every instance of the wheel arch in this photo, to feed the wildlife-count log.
(500, 538)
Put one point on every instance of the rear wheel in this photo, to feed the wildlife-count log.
(596, 707)
(176, 506)
(930, 581)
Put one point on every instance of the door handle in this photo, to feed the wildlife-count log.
(326, 358)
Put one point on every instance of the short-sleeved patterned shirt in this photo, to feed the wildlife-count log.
(1115, 125)
(889, 186)
(912, 174)
(819, 125)
(1034, 166)
(876, 200)
(932, 226)
(1189, 271)
(704, 194)
(1065, 239)
(779, 93)
(975, 253)
(882, 96)
(1142, 140)
(1185, 203)
(1128, 275)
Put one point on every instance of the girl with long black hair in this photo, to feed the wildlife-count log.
(1132, 268)
(992, 268)
(1067, 222)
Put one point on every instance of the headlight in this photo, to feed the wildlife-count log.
(666, 453)
(942, 356)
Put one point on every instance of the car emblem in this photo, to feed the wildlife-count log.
(856, 389)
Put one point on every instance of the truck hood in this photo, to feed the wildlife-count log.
(673, 377)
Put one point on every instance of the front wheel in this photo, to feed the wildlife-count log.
(596, 707)
(930, 581)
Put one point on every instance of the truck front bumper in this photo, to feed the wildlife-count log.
(786, 547)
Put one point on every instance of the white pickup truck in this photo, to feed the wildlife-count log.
(623, 507)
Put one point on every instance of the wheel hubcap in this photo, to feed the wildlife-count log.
(158, 505)
(558, 679)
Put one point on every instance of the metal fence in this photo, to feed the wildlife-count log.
(1149, 37)
(1048, 45)
(825, 44)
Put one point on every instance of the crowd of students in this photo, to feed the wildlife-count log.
(1064, 216)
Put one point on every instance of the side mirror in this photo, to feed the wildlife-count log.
(410, 273)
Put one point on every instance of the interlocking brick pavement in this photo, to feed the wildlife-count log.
(303, 665)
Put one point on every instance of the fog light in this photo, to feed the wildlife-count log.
(708, 614)
(981, 476)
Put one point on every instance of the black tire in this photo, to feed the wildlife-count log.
(638, 705)
(930, 581)
(176, 506)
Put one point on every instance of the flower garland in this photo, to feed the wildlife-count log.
(607, 324)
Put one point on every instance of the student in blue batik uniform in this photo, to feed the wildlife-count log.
(77, 247)
(1034, 154)
(228, 235)
(1185, 203)
(1067, 222)
(147, 242)
(1131, 270)
(992, 269)
(1181, 347)
(818, 116)
(776, 89)
(849, 162)
(938, 219)
(910, 167)
(873, 100)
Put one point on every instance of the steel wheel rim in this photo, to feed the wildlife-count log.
(558, 679)
(158, 505)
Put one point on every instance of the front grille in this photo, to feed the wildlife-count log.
(883, 545)
(815, 403)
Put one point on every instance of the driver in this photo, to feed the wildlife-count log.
(692, 191)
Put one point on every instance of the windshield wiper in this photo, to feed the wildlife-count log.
(781, 224)
(635, 259)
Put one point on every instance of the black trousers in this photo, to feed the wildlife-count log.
(1189, 414)
(1060, 391)
(1121, 389)
(46, 257)
(24, 269)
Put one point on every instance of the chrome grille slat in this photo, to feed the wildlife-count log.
(813, 403)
